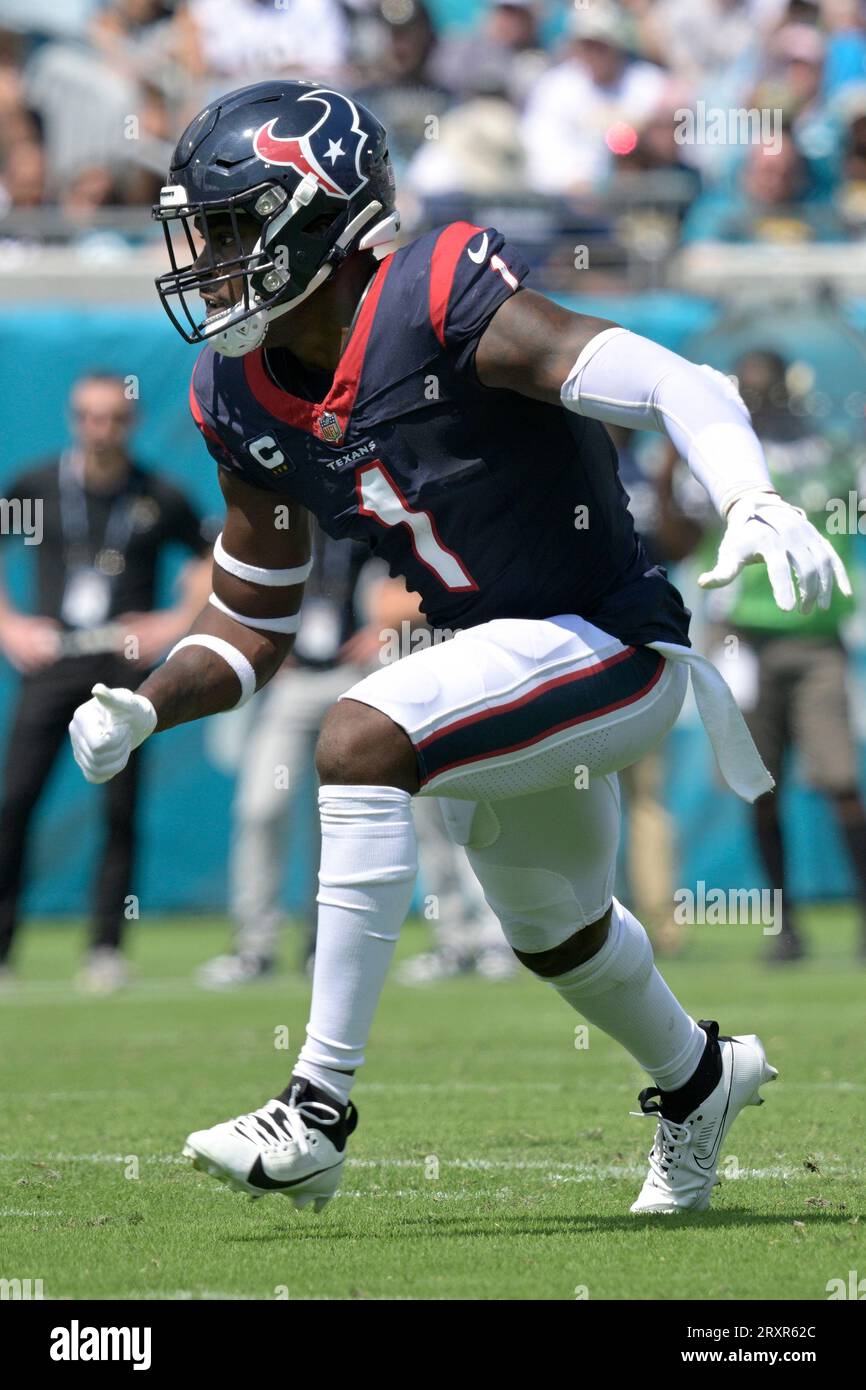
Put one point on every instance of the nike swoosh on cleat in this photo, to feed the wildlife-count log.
(259, 1178)
(478, 256)
(705, 1167)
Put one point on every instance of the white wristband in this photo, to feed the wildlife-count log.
(290, 623)
(254, 574)
(238, 662)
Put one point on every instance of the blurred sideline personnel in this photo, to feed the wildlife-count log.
(466, 935)
(105, 523)
(670, 533)
(793, 669)
(430, 404)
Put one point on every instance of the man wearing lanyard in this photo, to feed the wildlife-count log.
(103, 522)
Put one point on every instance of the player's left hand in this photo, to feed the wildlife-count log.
(762, 526)
(105, 730)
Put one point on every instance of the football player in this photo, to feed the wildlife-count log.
(429, 403)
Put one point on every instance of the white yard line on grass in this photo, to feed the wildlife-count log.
(574, 1087)
(193, 1295)
(555, 1172)
(33, 993)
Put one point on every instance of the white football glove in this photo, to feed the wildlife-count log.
(762, 526)
(106, 729)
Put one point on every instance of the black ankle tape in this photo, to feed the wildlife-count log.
(677, 1105)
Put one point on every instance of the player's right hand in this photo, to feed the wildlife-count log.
(106, 729)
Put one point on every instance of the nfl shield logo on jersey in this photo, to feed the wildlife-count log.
(329, 427)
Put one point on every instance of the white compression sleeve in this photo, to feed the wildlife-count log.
(624, 379)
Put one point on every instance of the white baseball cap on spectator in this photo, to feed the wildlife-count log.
(602, 24)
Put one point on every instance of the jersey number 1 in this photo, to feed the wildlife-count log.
(380, 498)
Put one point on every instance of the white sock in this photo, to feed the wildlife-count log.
(621, 992)
(368, 868)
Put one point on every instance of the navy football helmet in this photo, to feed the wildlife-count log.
(293, 177)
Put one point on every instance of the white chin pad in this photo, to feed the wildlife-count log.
(237, 338)
(381, 233)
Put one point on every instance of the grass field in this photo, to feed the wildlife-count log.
(493, 1160)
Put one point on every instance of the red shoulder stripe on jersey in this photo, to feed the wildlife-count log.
(443, 265)
(197, 415)
(305, 415)
(341, 397)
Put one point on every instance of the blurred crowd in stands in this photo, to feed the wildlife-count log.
(645, 122)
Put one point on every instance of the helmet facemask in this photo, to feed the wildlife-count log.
(209, 246)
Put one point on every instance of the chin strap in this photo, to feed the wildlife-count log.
(238, 339)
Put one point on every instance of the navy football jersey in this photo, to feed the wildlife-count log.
(490, 504)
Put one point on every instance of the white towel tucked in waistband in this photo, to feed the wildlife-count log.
(738, 758)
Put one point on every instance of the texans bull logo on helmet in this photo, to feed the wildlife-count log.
(309, 153)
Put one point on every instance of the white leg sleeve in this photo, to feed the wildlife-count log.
(628, 380)
(620, 991)
(369, 863)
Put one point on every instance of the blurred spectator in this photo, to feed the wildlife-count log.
(478, 152)
(577, 107)
(92, 187)
(143, 41)
(52, 18)
(104, 121)
(100, 523)
(120, 20)
(670, 529)
(846, 45)
(404, 94)
(22, 181)
(655, 150)
(84, 106)
(233, 42)
(791, 669)
(701, 40)
(776, 198)
(504, 46)
(850, 110)
(17, 121)
(792, 82)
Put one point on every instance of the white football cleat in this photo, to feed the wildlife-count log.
(229, 971)
(686, 1149)
(105, 971)
(294, 1146)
